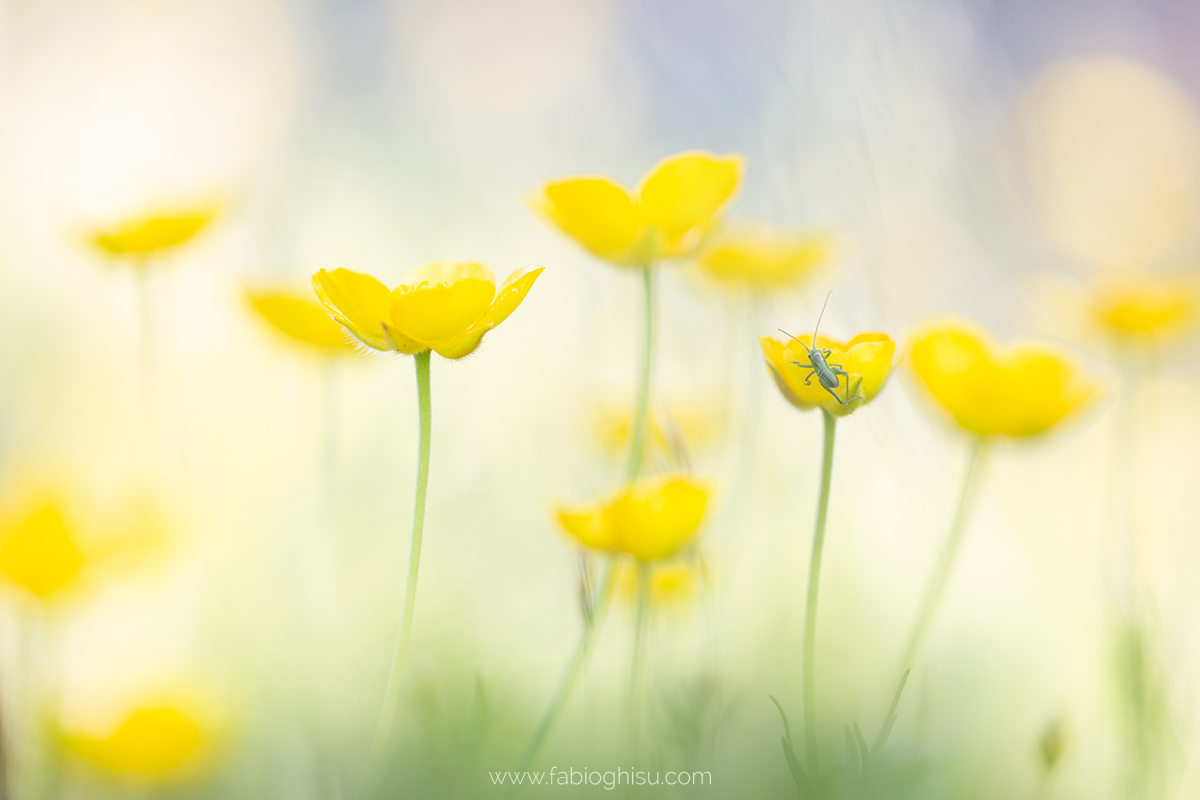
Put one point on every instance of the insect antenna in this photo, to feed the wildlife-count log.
(818, 325)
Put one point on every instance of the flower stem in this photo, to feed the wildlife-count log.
(641, 410)
(637, 665)
(567, 682)
(595, 620)
(814, 582)
(391, 697)
(937, 583)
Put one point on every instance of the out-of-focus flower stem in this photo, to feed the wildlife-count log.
(641, 410)
(937, 582)
(814, 582)
(391, 697)
(595, 620)
(638, 663)
(567, 682)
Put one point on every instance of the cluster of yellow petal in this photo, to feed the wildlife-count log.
(446, 307)
(867, 358)
(648, 520)
(675, 205)
(153, 742)
(301, 319)
(1145, 310)
(152, 233)
(40, 553)
(1023, 390)
(762, 257)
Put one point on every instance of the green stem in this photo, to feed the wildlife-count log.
(814, 582)
(641, 410)
(595, 620)
(637, 665)
(391, 697)
(937, 583)
(567, 682)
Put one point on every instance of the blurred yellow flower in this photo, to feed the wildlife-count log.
(1024, 390)
(301, 319)
(758, 256)
(152, 742)
(673, 582)
(692, 423)
(40, 554)
(148, 235)
(1144, 310)
(648, 520)
(446, 307)
(867, 358)
(675, 205)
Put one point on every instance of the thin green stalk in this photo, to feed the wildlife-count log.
(814, 582)
(567, 682)
(638, 663)
(595, 620)
(937, 583)
(641, 410)
(391, 697)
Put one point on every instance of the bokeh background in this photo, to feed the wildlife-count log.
(987, 160)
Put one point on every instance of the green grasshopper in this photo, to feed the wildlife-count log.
(828, 375)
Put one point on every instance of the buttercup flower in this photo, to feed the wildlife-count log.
(300, 319)
(694, 422)
(151, 234)
(40, 554)
(1144, 310)
(649, 520)
(446, 307)
(669, 213)
(672, 582)
(761, 257)
(867, 358)
(1023, 390)
(152, 742)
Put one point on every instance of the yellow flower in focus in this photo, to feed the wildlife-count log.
(669, 213)
(153, 742)
(40, 554)
(762, 257)
(1023, 390)
(446, 307)
(867, 358)
(151, 234)
(300, 319)
(649, 520)
(1145, 310)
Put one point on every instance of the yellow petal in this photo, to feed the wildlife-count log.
(152, 742)
(152, 233)
(301, 319)
(357, 301)
(506, 301)
(764, 257)
(1023, 392)
(654, 519)
(684, 195)
(39, 553)
(442, 301)
(586, 525)
(867, 360)
(1145, 309)
(596, 212)
(870, 355)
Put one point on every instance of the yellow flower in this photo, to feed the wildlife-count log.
(762, 257)
(867, 358)
(40, 554)
(152, 742)
(689, 423)
(1023, 390)
(675, 205)
(673, 582)
(148, 235)
(1144, 310)
(300, 318)
(446, 307)
(648, 520)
